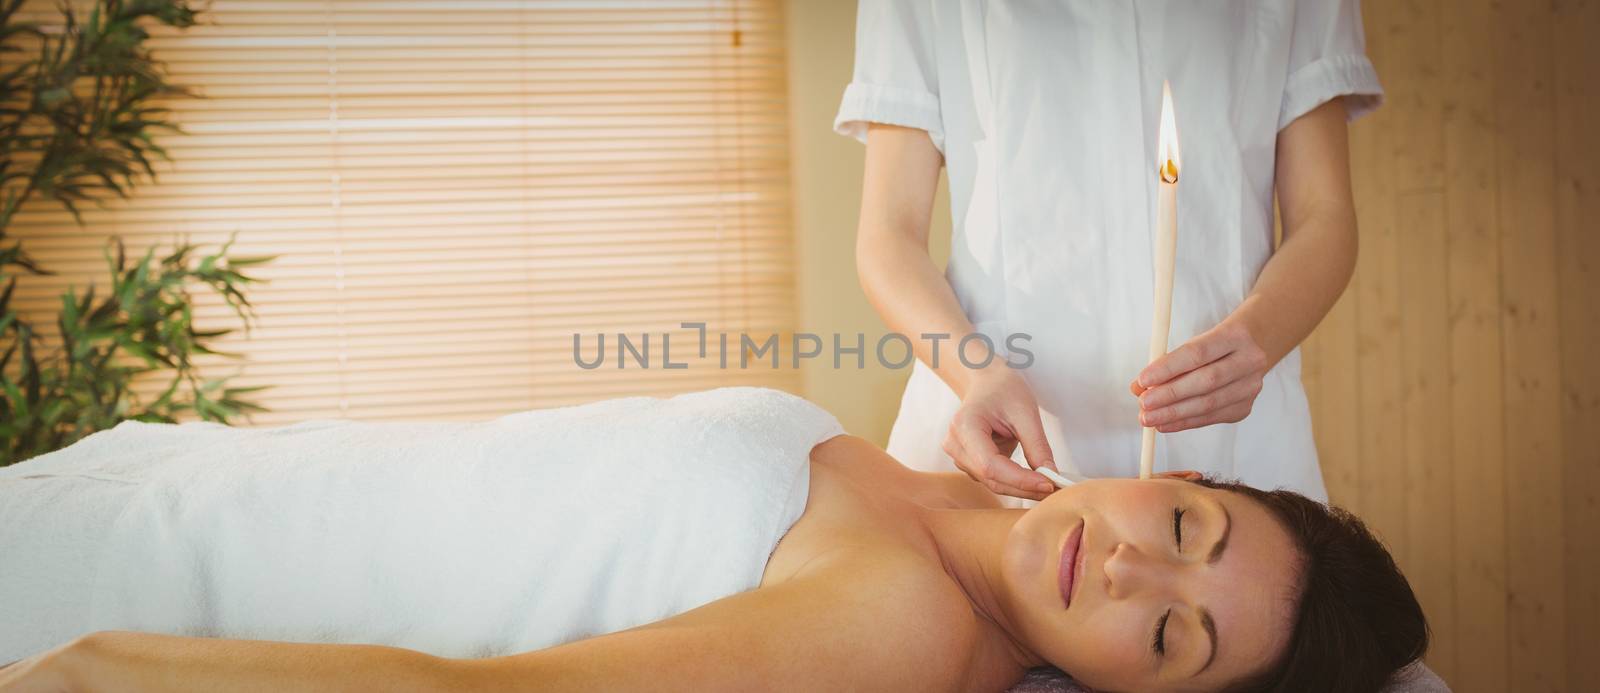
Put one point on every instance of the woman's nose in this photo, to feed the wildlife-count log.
(1130, 572)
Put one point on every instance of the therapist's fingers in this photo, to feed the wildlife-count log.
(1208, 379)
(1005, 477)
(1230, 414)
(957, 452)
(1226, 338)
(1193, 354)
(1242, 390)
(982, 460)
(1029, 430)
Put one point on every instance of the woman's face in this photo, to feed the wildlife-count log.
(1145, 610)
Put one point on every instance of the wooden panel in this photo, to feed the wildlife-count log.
(1423, 282)
(1378, 353)
(1429, 498)
(1335, 403)
(1455, 396)
(1577, 152)
(1525, 151)
(1475, 459)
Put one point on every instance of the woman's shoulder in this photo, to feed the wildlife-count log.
(866, 463)
(920, 617)
(913, 594)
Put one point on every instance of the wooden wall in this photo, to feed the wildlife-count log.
(1455, 388)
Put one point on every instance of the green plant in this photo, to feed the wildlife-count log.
(78, 113)
(83, 385)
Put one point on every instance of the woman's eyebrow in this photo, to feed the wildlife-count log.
(1206, 621)
(1222, 541)
(1211, 634)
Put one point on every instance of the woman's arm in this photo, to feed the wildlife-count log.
(902, 282)
(148, 662)
(854, 620)
(1215, 377)
(847, 622)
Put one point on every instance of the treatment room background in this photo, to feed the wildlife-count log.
(453, 189)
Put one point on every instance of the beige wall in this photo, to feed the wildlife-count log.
(1453, 388)
(826, 171)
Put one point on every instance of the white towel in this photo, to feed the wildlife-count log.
(457, 539)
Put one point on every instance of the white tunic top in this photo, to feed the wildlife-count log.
(1046, 113)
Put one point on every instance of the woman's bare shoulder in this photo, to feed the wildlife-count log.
(904, 587)
(864, 461)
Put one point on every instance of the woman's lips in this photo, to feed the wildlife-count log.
(1066, 572)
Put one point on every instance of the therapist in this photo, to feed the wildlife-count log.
(1045, 116)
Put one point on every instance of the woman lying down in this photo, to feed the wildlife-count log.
(728, 540)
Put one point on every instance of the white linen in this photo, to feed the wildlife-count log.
(458, 539)
(1046, 113)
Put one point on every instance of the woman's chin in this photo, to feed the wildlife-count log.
(1021, 559)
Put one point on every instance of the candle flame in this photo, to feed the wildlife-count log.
(1168, 162)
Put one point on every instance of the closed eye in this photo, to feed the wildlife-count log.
(1177, 527)
(1158, 642)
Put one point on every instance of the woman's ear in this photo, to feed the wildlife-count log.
(1183, 474)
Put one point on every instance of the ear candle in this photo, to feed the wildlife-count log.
(1167, 163)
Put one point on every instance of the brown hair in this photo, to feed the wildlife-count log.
(1357, 622)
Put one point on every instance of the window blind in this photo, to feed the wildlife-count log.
(456, 187)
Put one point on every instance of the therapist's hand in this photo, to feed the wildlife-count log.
(998, 412)
(1213, 378)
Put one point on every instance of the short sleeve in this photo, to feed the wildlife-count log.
(1327, 59)
(895, 81)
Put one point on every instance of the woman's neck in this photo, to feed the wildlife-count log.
(969, 544)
